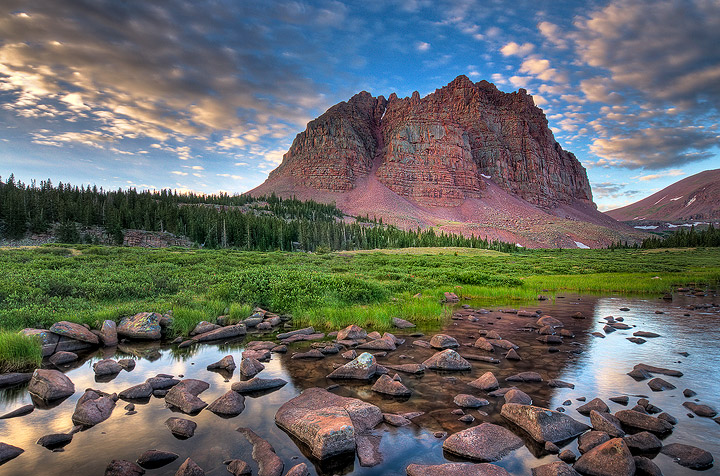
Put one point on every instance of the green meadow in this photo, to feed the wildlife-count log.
(88, 284)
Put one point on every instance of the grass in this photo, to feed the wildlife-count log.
(18, 352)
(88, 284)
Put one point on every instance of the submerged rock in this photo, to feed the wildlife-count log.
(269, 464)
(189, 468)
(543, 424)
(469, 401)
(689, 456)
(456, 469)
(326, 422)
(485, 442)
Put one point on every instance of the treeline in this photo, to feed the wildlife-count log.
(214, 221)
(682, 238)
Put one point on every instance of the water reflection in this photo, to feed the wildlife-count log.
(598, 371)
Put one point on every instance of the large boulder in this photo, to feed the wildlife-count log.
(326, 422)
(92, 408)
(543, 424)
(257, 384)
(8, 452)
(486, 382)
(137, 392)
(595, 404)
(229, 404)
(185, 395)
(643, 421)
(49, 385)
(14, 378)
(612, 458)
(48, 340)
(688, 456)
(108, 333)
(363, 367)
(456, 469)
(443, 341)
(448, 359)
(606, 422)
(227, 332)
(485, 442)
(144, 325)
(352, 332)
(74, 331)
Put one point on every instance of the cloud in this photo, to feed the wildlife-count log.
(234, 177)
(553, 34)
(541, 69)
(597, 90)
(667, 173)
(173, 70)
(513, 48)
(520, 81)
(665, 49)
(655, 148)
(422, 46)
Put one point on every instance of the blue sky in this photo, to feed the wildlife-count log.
(208, 95)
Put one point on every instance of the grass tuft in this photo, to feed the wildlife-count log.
(19, 353)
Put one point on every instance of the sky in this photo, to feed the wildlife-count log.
(207, 95)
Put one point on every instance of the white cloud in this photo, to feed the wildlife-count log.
(520, 81)
(422, 46)
(667, 173)
(553, 34)
(513, 48)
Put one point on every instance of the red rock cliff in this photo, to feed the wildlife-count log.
(435, 150)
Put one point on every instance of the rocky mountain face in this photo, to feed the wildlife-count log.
(437, 150)
(693, 198)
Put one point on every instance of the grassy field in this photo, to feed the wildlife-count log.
(89, 284)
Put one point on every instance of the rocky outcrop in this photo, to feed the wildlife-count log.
(438, 150)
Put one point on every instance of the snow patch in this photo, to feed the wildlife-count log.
(485, 176)
(660, 200)
(676, 198)
(691, 200)
(646, 227)
(582, 246)
(519, 245)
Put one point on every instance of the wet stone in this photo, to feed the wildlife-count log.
(591, 439)
(612, 458)
(486, 382)
(557, 468)
(543, 424)
(643, 442)
(152, 459)
(594, 404)
(486, 442)
(257, 384)
(469, 401)
(689, 456)
(18, 412)
(700, 409)
(121, 467)
(55, 440)
(646, 467)
(456, 469)
(181, 427)
(515, 395)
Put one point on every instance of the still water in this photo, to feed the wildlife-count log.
(599, 371)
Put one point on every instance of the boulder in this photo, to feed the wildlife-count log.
(368, 450)
(525, 377)
(658, 385)
(363, 367)
(595, 404)
(184, 395)
(229, 404)
(162, 382)
(189, 468)
(127, 364)
(250, 367)
(152, 459)
(448, 359)
(62, 358)
(181, 427)
(443, 341)
(238, 467)
(257, 384)
(407, 368)
(555, 383)
(92, 408)
(606, 422)
(658, 370)
(485, 382)
(483, 344)
(543, 424)
(644, 442)
(74, 331)
(203, 327)
(549, 321)
(485, 442)
(269, 464)
(121, 467)
(144, 325)
(557, 468)
(700, 409)
(469, 401)
(395, 420)
(299, 470)
(383, 343)
(14, 378)
(646, 467)
(326, 422)
(311, 354)
(227, 332)
(48, 340)
(108, 333)
(389, 386)
(688, 456)
(456, 469)
(591, 439)
(505, 344)
(305, 331)
(512, 355)
(611, 458)
(137, 392)
(450, 297)
(18, 412)
(106, 367)
(55, 440)
(226, 363)
(8, 452)
(352, 332)
(49, 385)
(402, 323)
(515, 395)
(643, 421)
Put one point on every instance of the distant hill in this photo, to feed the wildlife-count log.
(693, 198)
(466, 159)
